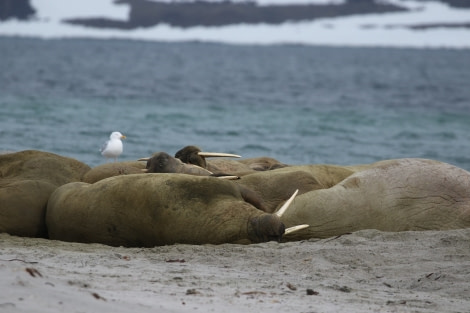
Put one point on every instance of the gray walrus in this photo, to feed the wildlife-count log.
(275, 186)
(391, 195)
(158, 209)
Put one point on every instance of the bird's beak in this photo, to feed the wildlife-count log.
(217, 154)
(123, 137)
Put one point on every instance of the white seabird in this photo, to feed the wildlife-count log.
(113, 147)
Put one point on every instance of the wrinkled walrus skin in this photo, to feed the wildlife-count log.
(392, 195)
(106, 170)
(276, 186)
(155, 209)
(27, 179)
(146, 210)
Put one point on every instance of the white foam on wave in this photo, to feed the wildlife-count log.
(359, 30)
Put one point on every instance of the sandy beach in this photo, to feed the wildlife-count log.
(367, 271)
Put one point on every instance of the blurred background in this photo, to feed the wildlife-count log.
(339, 82)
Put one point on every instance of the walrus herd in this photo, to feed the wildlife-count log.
(134, 203)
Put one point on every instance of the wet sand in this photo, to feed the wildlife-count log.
(367, 271)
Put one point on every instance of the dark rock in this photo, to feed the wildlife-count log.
(20, 9)
(146, 13)
(458, 3)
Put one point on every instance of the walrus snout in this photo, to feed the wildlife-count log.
(267, 227)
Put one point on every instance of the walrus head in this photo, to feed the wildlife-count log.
(194, 155)
(162, 162)
(269, 227)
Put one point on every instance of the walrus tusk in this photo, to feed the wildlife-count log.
(207, 154)
(217, 154)
(295, 228)
(283, 209)
(230, 177)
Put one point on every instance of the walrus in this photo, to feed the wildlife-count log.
(162, 162)
(107, 170)
(244, 167)
(263, 163)
(194, 155)
(275, 186)
(28, 178)
(390, 195)
(145, 210)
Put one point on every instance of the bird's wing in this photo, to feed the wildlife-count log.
(103, 147)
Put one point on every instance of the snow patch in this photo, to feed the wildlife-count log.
(388, 29)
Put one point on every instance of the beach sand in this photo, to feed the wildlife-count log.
(367, 271)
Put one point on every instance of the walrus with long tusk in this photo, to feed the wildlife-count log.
(158, 209)
(194, 155)
(162, 162)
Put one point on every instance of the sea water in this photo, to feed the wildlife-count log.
(298, 104)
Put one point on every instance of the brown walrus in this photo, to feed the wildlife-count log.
(158, 209)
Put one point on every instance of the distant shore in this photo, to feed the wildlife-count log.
(145, 13)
